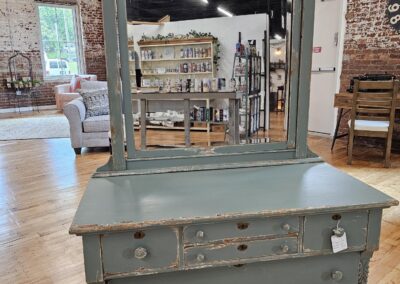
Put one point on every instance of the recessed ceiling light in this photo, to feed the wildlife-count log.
(225, 12)
(205, 1)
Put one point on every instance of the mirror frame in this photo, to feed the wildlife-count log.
(139, 161)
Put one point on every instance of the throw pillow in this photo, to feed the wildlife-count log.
(96, 102)
(76, 81)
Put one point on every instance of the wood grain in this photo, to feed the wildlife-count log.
(42, 181)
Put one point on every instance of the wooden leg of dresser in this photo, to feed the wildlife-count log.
(363, 267)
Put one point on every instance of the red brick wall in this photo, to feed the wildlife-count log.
(371, 46)
(19, 17)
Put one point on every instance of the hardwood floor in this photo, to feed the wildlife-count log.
(42, 181)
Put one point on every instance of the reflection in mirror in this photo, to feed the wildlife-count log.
(208, 73)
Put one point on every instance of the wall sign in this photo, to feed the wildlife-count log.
(393, 11)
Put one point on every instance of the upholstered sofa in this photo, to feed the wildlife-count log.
(64, 94)
(86, 132)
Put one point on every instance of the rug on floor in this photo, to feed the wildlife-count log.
(36, 127)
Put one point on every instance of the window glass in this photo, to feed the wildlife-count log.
(59, 41)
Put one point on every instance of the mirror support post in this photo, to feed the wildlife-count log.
(114, 85)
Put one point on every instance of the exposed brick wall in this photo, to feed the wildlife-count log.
(20, 18)
(371, 46)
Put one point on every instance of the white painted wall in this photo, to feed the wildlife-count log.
(226, 29)
(329, 20)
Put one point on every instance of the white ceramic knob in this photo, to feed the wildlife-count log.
(200, 257)
(200, 235)
(284, 248)
(337, 275)
(141, 253)
(286, 227)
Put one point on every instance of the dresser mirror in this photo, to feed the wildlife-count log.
(207, 84)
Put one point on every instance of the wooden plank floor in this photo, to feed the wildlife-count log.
(42, 181)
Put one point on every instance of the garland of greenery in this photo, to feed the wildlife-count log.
(190, 35)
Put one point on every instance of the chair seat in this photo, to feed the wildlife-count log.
(369, 125)
(97, 124)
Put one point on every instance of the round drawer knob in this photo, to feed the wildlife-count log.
(200, 257)
(337, 275)
(141, 253)
(286, 227)
(200, 235)
(284, 248)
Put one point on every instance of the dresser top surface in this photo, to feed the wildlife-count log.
(132, 202)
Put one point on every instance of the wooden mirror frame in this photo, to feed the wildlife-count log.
(294, 150)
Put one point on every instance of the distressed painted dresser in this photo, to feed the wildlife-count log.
(263, 213)
(274, 226)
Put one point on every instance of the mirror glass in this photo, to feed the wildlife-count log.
(208, 73)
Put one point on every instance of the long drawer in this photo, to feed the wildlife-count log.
(203, 233)
(236, 251)
(309, 270)
(140, 251)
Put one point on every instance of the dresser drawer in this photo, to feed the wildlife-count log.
(309, 270)
(204, 233)
(235, 251)
(318, 230)
(139, 251)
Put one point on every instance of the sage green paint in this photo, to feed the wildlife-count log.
(114, 85)
(181, 198)
(315, 270)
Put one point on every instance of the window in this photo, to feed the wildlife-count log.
(60, 45)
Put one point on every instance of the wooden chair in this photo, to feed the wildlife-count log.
(373, 113)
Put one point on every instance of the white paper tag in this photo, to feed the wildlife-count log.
(339, 243)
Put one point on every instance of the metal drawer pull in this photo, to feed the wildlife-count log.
(243, 226)
(242, 247)
(200, 257)
(286, 227)
(337, 275)
(284, 248)
(200, 235)
(141, 253)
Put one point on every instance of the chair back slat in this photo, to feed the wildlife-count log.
(376, 85)
(372, 110)
(375, 96)
(372, 118)
(379, 103)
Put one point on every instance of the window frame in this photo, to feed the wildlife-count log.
(79, 42)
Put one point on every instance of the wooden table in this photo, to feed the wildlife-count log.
(343, 101)
(246, 225)
(234, 101)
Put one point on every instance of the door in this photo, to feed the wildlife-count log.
(329, 23)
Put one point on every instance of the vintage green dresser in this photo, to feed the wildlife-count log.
(264, 213)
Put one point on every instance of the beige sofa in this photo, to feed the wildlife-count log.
(63, 94)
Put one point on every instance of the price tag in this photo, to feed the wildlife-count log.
(339, 243)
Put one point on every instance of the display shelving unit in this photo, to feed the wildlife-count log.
(247, 71)
(161, 60)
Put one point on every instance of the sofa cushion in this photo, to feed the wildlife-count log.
(76, 82)
(97, 124)
(93, 85)
(96, 102)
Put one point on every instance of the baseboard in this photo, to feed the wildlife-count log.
(26, 109)
(326, 135)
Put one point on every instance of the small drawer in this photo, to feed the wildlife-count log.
(235, 251)
(318, 230)
(203, 233)
(139, 251)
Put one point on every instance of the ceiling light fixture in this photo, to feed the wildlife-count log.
(278, 37)
(225, 12)
(205, 1)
